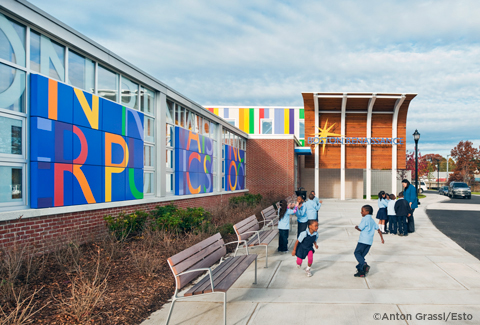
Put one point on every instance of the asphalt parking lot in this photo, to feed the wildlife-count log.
(461, 226)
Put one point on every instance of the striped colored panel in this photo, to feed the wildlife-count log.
(278, 120)
(215, 111)
(226, 112)
(246, 122)
(261, 115)
(52, 99)
(286, 121)
(252, 121)
(302, 142)
(256, 121)
(302, 113)
(210, 109)
(292, 121)
(241, 118)
(266, 112)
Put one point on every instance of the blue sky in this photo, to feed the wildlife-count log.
(220, 52)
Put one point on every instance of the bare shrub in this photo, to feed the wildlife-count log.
(87, 290)
(112, 247)
(19, 264)
(146, 254)
(68, 256)
(23, 309)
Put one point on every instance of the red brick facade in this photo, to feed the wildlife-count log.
(271, 166)
(83, 226)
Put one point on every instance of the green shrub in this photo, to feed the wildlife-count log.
(250, 200)
(176, 220)
(125, 225)
(226, 229)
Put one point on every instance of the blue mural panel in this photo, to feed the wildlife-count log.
(93, 189)
(64, 103)
(113, 117)
(39, 95)
(92, 120)
(41, 185)
(135, 150)
(91, 141)
(134, 184)
(50, 141)
(135, 124)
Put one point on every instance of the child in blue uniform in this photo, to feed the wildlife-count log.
(312, 207)
(284, 225)
(382, 215)
(304, 245)
(367, 230)
(301, 213)
(392, 216)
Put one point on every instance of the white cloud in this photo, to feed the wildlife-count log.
(268, 52)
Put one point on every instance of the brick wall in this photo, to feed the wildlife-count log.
(47, 231)
(270, 166)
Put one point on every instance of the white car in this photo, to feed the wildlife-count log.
(423, 187)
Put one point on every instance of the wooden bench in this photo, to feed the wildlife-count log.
(188, 264)
(270, 216)
(248, 231)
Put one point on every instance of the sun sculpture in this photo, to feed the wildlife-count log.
(324, 133)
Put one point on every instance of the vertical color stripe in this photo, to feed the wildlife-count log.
(266, 113)
(252, 121)
(210, 109)
(226, 113)
(124, 113)
(286, 121)
(302, 113)
(245, 120)
(52, 99)
(260, 117)
(279, 127)
(256, 121)
(215, 111)
(292, 121)
(240, 119)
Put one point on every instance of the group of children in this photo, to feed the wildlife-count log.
(307, 236)
(392, 210)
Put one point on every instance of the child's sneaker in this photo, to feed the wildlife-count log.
(299, 266)
(366, 269)
(359, 274)
(308, 271)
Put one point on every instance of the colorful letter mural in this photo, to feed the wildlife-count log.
(234, 169)
(83, 149)
(193, 162)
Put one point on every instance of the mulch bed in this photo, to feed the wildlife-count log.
(129, 298)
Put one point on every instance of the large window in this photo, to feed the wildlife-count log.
(12, 112)
(302, 129)
(149, 137)
(129, 93)
(81, 72)
(46, 56)
(172, 119)
(107, 84)
(267, 126)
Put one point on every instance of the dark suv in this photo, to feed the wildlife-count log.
(459, 189)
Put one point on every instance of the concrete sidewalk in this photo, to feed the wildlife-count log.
(424, 273)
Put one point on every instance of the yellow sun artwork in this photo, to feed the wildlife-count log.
(325, 132)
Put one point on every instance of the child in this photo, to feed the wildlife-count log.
(312, 207)
(284, 225)
(301, 214)
(382, 211)
(403, 211)
(367, 230)
(392, 216)
(304, 245)
(314, 197)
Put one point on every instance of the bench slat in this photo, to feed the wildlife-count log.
(183, 255)
(220, 276)
(192, 260)
(266, 238)
(205, 281)
(235, 274)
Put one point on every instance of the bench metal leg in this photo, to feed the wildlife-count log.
(170, 311)
(225, 308)
(266, 256)
(255, 271)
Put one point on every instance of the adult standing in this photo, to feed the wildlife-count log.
(410, 195)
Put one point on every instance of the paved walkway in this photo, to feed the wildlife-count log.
(424, 273)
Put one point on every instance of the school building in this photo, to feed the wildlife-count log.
(84, 134)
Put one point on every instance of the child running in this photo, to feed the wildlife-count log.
(367, 229)
(284, 225)
(304, 245)
(392, 216)
(382, 215)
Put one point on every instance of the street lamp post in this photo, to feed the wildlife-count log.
(416, 137)
(447, 166)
